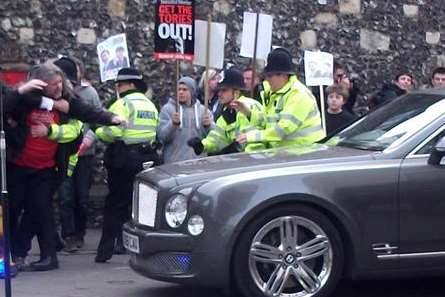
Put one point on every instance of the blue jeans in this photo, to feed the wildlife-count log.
(73, 198)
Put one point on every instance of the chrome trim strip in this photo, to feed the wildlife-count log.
(412, 154)
(412, 256)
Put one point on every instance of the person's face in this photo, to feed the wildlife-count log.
(225, 96)
(55, 87)
(339, 74)
(247, 76)
(120, 54)
(123, 86)
(276, 80)
(184, 95)
(213, 82)
(335, 101)
(105, 56)
(438, 80)
(405, 82)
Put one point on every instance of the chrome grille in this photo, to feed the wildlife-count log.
(144, 204)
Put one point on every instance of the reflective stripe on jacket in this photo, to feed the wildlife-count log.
(72, 162)
(291, 117)
(65, 133)
(142, 120)
(224, 134)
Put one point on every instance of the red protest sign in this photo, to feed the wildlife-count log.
(174, 30)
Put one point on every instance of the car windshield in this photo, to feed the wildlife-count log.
(395, 121)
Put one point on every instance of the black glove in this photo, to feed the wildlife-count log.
(229, 115)
(234, 147)
(196, 144)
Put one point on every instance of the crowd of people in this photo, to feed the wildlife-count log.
(55, 118)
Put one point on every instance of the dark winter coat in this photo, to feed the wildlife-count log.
(387, 93)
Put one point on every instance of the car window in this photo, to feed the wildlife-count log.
(391, 124)
(426, 149)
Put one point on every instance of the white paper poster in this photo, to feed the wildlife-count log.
(264, 38)
(113, 55)
(217, 41)
(318, 68)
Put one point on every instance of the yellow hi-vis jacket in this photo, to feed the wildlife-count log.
(66, 132)
(223, 134)
(142, 120)
(291, 117)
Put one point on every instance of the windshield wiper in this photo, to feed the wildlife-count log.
(361, 146)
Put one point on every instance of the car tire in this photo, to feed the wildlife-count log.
(289, 250)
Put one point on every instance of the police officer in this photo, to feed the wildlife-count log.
(130, 146)
(291, 114)
(221, 138)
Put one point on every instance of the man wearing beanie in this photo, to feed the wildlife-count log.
(179, 125)
(129, 147)
(291, 114)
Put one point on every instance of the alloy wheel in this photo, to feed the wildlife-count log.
(290, 256)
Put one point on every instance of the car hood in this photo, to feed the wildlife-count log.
(212, 167)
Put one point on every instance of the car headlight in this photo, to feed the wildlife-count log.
(195, 225)
(176, 210)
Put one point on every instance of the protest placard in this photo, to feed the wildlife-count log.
(216, 46)
(174, 30)
(113, 55)
(318, 68)
(264, 40)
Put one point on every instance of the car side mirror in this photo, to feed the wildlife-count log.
(438, 153)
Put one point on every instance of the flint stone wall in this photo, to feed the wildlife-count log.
(374, 38)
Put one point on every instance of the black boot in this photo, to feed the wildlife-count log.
(45, 264)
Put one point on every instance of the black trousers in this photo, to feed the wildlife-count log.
(73, 196)
(31, 191)
(119, 199)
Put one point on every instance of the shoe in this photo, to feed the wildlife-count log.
(79, 242)
(70, 245)
(45, 264)
(101, 259)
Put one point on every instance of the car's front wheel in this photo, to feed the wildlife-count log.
(288, 251)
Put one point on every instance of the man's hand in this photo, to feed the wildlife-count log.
(176, 118)
(39, 130)
(117, 120)
(206, 120)
(242, 138)
(33, 84)
(241, 107)
(61, 105)
(86, 144)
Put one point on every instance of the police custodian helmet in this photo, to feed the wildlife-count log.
(231, 79)
(279, 61)
(134, 76)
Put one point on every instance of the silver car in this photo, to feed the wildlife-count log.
(367, 202)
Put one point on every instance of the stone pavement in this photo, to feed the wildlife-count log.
(79, 276)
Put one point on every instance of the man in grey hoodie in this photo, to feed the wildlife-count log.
(177, 126)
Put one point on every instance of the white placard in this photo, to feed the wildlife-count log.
(113, 55)
(318, 68)
(264, 38)
(217, 41)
